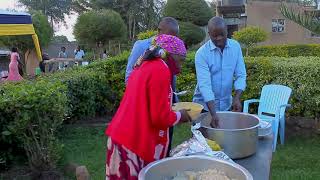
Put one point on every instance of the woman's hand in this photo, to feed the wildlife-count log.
(138, 63)
(185, 118)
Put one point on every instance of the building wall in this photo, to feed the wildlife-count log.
(261, 13)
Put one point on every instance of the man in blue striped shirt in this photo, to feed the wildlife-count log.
(220, 67)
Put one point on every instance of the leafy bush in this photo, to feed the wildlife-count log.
(190, 33)
(146, 34)
(88, 92)
(250, 36)
(286, 50)
(196, 11)
(30, 114)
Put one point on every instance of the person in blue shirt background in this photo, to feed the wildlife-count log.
(220, 67)
(169, 26)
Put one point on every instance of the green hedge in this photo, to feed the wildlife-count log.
(87, 92)
(30, 114)
(285, 50)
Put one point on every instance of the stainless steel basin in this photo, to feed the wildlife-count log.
(237, 134)
(167, 168)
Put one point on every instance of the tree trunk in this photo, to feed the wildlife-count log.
(51, 21)
(129, 25)
(247, 51)
(134, 29)
(119, 48)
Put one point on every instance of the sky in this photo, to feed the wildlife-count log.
(60, 29)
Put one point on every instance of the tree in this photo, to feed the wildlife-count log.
(42, 28)
(213, 7)
(190, 33)
(310, 21)
(53, 9)
(60, 39)
(196, 11)
(99, 26)
(250, 36)
(139, 15)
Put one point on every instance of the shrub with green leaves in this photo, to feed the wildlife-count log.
(196, 11)
(190, 33)
(250, 36)
(147, 34)
(286, 50)
(30, 114)
(88, 91)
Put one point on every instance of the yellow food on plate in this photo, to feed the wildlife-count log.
(193, 109)
(213, 145)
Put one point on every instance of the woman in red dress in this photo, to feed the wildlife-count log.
(138, 133)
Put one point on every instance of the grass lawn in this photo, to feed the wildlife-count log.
(299, 159)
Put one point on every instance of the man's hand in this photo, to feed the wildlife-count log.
(214, 118)
(236, 105)
(214, 121)
(185, 118)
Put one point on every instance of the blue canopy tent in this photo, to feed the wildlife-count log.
(18, 23)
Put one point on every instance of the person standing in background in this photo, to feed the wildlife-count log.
(78, 53)
(104, 55)
(63, 54)
(13, 66)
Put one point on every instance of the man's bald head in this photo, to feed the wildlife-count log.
(218, 31)
(168, 25)
(217, 22)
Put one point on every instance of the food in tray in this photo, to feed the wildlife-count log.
(213, 145)
(209, 174)
(193, 109)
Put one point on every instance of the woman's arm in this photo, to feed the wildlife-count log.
(162, 115)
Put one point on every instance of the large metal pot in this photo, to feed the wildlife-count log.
(168, 168)
(237, 134)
